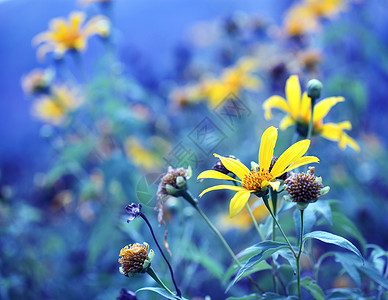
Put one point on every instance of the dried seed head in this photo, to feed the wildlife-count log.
(173, 181)
(305, 187)
(135, 258)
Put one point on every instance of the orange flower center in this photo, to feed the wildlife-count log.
(253, 181)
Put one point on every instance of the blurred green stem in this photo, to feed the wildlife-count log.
(187, 195)
(152, 273)
(274, 198)
(299, 252)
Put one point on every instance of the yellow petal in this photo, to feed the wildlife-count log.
(293, 95)
(346, 140)
(289, 156)
(267, 145)
(223, 187)
(301, 162)
(274, 102)
(234, 166)
(215, 175)
(286, 122)
(305, 107)
(331, 131)
(274, 184)
(323, 107)
(238, 202)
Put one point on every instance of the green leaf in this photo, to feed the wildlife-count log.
(287, 255)
(323, 208)
(313, 288)
(341, 222)
(349, 263)
(330, 238)
(159, 291)
(373, 274)
(267, 248)
(274, 296)
(346, 294)
(266, 227)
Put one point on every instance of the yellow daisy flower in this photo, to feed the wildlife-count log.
(55, 107)
(64, 35)
(298, 109)
(259, 180)
(326, 8)
(300, 20)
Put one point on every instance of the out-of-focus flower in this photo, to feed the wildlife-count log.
(300, 20)
(304, 188)
(37, 81)
(259, 179)
(298, 109)
(127, 295)
(135, 259)
(233, 80)
(326, 8)
(55, 107)
(304, 17)
(310, 59)
(243, 220)
(64, 35)
(140, 155)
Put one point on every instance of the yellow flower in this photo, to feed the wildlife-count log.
(259, 180)
(64, 35)
(300, 20)
(326, 8)
(141, 156)
(55, 107)
(298, 109)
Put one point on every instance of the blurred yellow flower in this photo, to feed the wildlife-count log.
(215, 90)
(141, 156)
(298, 110)
(305, 17)
(71, 34)
(243, 220)
(259, 180)
(55, 107)
(300, 20)
(86, 2)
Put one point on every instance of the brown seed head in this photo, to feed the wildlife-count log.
(133, 257)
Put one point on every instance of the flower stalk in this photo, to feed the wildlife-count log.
(152, 273)
(187, 195)
(179, 293)
(299, 252)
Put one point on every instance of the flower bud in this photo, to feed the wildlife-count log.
(314, 88)
(174, 182)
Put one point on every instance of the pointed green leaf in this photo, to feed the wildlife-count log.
(161, 292)
(313, 288)
(349, 263)
(267, 249)
(330, 238)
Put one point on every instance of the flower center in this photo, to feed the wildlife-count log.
(253, 181)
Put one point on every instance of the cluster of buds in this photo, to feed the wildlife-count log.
(135, 259)
(174, 182)
(304, 188)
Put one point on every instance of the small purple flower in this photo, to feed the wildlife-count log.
(134, 211)
(126, 295)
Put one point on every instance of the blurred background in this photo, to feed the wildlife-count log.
(90, 127)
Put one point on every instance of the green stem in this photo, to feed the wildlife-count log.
(152, 273)
(274, 198)
(318, 264)
(311, 124)
(194, 203)
(254, 221)
(299, 252)
(265, 200)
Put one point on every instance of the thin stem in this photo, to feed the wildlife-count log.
(194, 203)
(311, 124)
(299, 252)
(318, 264)
(265, 200)
(179, 294)
(252, 217)
(254, 221)
(274, 198)
(152, 273)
